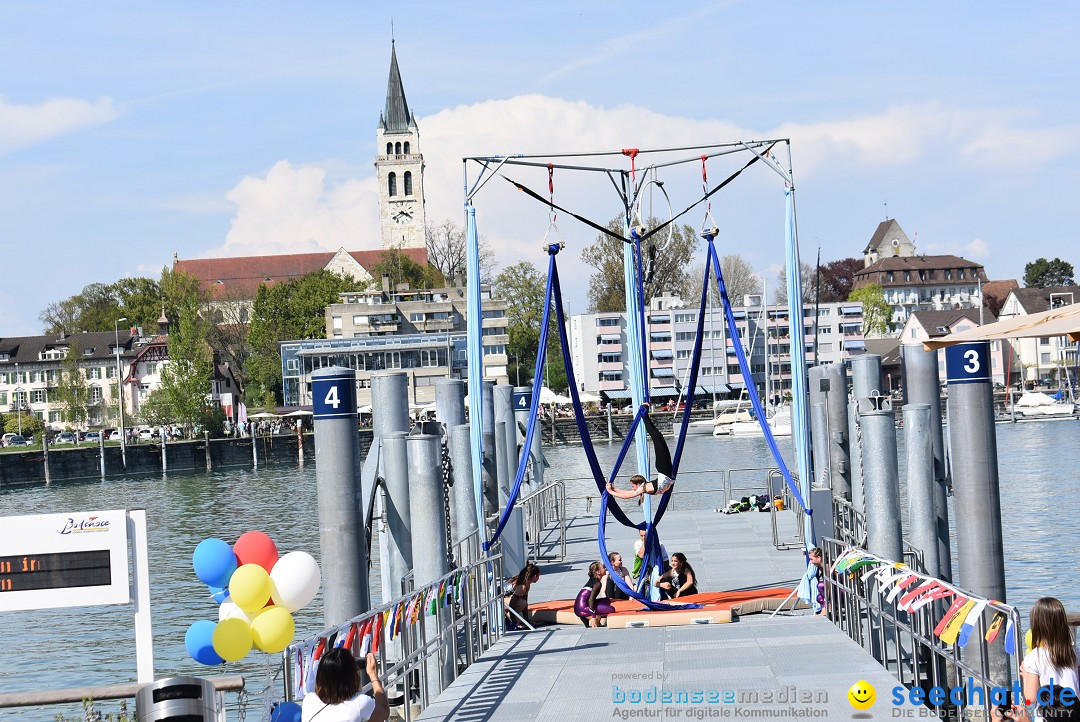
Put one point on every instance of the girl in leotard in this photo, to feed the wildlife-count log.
(680, 580)
(665, 476)
(589, 606)
(518, 599)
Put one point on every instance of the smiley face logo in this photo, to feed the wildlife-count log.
(862, 695)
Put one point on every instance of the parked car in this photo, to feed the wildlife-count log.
(65, 437)
(16, 440)
(92, 437)
(112, 434)
(147, 434)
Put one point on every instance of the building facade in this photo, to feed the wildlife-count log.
(1041, 358)
(922, 326)
(601, 364)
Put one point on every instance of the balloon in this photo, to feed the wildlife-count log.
(254, 547)
(286, 712)
(229, 610)
(199, 641)
(250, 587)
(232, 639)
(220, 594)
(214, 561)
(295, 580)
(272, 629)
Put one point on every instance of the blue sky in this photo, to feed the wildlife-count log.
(133, 131)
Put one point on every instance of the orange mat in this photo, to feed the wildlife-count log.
(715, 605)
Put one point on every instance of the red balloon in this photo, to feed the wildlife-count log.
(254, 547)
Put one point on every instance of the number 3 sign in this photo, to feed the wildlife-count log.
(968, 363)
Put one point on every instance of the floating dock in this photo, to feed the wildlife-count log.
(790, 666)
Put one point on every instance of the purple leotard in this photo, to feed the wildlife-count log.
(581, 604)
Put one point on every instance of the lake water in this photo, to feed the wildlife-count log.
(1039, 468)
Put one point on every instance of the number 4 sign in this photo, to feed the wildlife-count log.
(334, 396)
(968, 363)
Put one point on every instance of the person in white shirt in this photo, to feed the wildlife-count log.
(1052, 661)
(337, 696)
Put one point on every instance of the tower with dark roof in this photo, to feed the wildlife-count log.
(400, 168)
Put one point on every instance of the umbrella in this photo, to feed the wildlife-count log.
(299, 412)
(263, 415)
(547, 396)
(364, 409)
(589, 399)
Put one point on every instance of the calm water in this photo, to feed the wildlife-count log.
(1039, 467)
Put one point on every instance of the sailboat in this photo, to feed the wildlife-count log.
(1037, 405)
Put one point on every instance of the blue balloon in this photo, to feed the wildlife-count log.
(214, 562)
(285, 712)
(199, 641)
(219, 594)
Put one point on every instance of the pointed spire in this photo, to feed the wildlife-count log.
(396, 117)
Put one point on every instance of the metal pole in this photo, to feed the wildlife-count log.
(120, 390)
(464, 499)
(819, 434)
(45, 454)
(164, 454)
(922, 385)
(490, 473)
(514, 550)
(398, 516)
(521, 415)
(341, 526)
(101, 453)
(254, 447)
(922, 517)
(973, 440)
(884, 535)
(429, 534)
(866, 375)
(858, 500)
(206, 446)
(450, 402)
(836, 411)
(389, 416)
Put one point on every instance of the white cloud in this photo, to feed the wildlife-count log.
(26, 125)
(294, 208)
(977, 249)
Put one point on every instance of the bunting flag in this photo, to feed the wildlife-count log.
(903, 584)
(949, 613)
(969, 623)
(442, 593)
(350, 637)
(319, 649)
(917, 592)
(995, 626)
(434, 606)
(376, 631)
(952, 629)
(1010, 637)
(940, 593)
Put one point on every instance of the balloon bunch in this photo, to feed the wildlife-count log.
(257, 592)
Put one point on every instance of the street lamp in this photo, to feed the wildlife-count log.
(120, 391)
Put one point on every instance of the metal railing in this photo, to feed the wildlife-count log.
(849, 527)
(542, 508)
(790, 502)
(905, 643)
(419, 657)
(732, 484)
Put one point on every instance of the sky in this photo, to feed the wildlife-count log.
(130, 132)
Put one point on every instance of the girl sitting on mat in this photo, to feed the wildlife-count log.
(679, 581)
(665, 477)
(608, 587)
(518, 599)
(589, 606)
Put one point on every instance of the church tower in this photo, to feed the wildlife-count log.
(400, 169)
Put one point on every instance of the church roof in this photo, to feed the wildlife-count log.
(233, 279)
(396, 118)
(887, 228)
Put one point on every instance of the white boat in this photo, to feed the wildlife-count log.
(722, 424)
(1037, 405)
(779, 423)
(717, 426)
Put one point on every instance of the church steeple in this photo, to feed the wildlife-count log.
(400, 168)
(396, 118)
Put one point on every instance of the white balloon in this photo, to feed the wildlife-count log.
(295, 580)
(229, 609)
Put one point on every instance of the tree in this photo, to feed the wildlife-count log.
(99, 305)
(71, 389)
(668, 269)
(838, 279)
(402, 269)
(877, 313)
(447, 252)
(806, 279)
(287, 311)
(739, 280)
(185, 379)
(1042, 273)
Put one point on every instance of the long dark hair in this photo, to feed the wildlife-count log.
(338, 678)
(1050, 630)
(526, 575)
(686, 568)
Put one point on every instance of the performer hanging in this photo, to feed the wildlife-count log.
(665, 475)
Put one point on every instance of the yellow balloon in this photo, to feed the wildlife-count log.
(249, 587)
(272, 629)
(1027, 641)
(232, 639)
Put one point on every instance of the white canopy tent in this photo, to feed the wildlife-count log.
(587, 398)
(1062, 321)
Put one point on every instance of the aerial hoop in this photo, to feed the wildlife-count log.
(709, 227)
(651, 182)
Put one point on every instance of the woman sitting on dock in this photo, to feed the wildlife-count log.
(518, 599)
(679, 581)
(337, 696)
(1052, 661)
(665, 476)
(608, 587)
(589, 606)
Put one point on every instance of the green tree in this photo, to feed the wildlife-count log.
(72, 392)
(877, 313)
(185, 379)
(669, 269)
(99, 305)
(31, 424)
(1042, 273)
(399, 268)
(284, 312)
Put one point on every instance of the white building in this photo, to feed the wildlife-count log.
(922, 326)
(598, 346)
(1040, 358)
